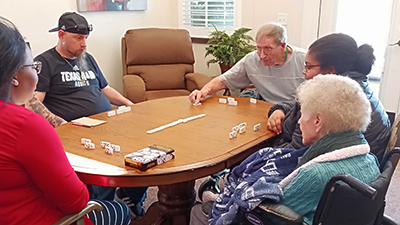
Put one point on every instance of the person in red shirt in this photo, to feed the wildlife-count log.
(37, 183)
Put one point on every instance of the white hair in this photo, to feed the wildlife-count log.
(274, 30)
(339, 99)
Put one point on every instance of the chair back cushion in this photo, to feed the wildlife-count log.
(160, 56)
(152, 46)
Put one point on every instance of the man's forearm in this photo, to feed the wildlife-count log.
(115, 97)
(36, 106)
(213, 86)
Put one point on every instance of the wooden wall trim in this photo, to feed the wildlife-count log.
(199, 40)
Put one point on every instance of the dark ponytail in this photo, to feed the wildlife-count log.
(365, 59)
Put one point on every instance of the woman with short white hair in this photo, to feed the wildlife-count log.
(334, 113)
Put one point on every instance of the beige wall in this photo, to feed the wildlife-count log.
(35, 18)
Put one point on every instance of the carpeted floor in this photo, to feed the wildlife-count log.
(392, 197)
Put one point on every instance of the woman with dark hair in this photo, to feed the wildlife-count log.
(334, 54)
(37, 183)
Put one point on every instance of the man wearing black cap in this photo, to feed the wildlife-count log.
(71, 85)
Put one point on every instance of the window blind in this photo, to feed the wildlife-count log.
(207, 13)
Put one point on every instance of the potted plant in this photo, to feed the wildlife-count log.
(228, 50)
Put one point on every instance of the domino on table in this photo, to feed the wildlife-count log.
(127, 109)
(257, 127)
(253, 100)
(242, 130)
(230, 99)
(109, 150)
(104, 144)
(236, 128)
(89, 146)
(85, 140)
(120, 111)
(232, 134)
(233, 103)
(116, 148)
(222, 100)
(111, 113)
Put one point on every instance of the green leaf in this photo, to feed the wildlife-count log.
(229, 49)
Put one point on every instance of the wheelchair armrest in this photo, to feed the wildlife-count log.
(78, 217)
(361, 187)
(277, 211)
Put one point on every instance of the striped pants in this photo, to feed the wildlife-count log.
(113, 213)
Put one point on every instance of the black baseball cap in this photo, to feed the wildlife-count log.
(74, 23)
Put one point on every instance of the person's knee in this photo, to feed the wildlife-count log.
(112, 213)
(126, 219)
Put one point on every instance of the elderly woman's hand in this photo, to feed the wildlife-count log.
(275, 121)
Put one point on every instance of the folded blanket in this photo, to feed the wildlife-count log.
(254, 180)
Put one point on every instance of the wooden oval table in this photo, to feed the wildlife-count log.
(202, 147)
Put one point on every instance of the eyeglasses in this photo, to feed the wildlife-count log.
(37, 66)
(309, 67)
(266, 49)
(79, 27)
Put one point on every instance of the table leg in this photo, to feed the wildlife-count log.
(175, 202)
(173, 207)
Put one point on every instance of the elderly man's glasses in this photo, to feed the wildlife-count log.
(309, 67)
(79, 27)
(266, 49)
(37, 66)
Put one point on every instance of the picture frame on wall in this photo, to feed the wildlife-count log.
(111, 5)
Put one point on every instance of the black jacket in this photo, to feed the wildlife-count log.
(377, 133)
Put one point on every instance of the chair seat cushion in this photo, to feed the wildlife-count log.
(157, 77)
(166, 93)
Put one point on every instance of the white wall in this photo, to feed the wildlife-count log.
(35, 18)
(256, 13)
(390, 84)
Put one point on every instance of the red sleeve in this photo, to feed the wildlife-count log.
(42, 155)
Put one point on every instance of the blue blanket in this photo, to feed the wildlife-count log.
(254, 180)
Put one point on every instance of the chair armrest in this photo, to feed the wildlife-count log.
(196, 81)
(278, 212)
(73, 217)
(134, 88)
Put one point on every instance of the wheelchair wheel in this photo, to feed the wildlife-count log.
(208, 185)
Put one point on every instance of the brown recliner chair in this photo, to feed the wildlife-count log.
(158, 63)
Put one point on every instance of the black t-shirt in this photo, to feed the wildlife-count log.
(71, 93)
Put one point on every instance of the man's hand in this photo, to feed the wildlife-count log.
(275, 121)
(197, 96)
(210, 88)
